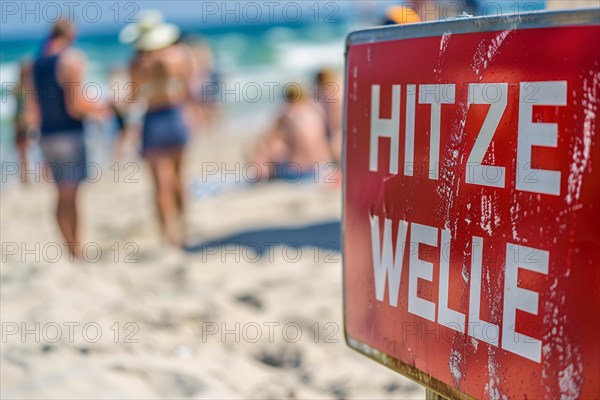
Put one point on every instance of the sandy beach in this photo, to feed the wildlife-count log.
(142, 320)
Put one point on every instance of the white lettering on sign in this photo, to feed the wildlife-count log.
(436, 95)
(447, 316)
(388, 263)
(389, 128)
(538, 134)
(419, 269)
(388, 259)
(521, 299)
(529, 135)
(479, 329)
(478, 94)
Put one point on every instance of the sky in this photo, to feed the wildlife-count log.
(28, 19)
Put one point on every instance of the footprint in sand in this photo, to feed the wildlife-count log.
(251, 301)
(283, 357)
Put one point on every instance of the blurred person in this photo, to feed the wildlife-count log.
(206, 84)
(330, 97)
(24, 120)
(297, 143)
(400, 14)
(161, 71)
(58, 77)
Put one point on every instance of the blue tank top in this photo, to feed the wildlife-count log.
(52, 98)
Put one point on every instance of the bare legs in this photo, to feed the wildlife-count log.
(23, 148)
(166, 167)
(67, 218)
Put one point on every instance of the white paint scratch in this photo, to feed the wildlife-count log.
(487, 51)
(455, 364)
(581, 150)
(490, 219)
(562, 363)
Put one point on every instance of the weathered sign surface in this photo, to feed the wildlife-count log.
(472, 203)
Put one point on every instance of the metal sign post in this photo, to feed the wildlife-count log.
(471, 222)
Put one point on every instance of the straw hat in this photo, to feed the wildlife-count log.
(150, 32)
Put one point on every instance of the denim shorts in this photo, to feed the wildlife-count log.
(164, 129)
(65, 156)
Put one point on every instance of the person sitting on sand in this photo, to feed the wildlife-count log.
(58, 74)
(297, 143)
(161, 72)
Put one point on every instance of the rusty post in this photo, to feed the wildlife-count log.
(431, 395)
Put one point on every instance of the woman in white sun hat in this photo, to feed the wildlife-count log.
(161, 71)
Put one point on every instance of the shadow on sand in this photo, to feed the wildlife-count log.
(325, 236)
